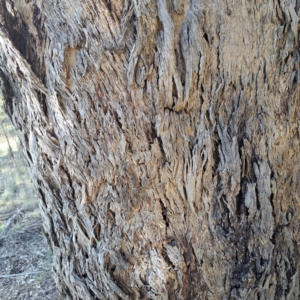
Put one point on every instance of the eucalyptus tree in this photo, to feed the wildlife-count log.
(163, 139)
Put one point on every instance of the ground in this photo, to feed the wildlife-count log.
(25, 259)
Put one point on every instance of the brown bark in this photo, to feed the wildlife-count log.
(163, 139)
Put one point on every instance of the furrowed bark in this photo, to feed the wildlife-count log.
(163, 139)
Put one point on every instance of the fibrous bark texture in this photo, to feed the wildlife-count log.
(163, 139)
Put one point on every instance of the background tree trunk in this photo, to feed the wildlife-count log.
(163, 139)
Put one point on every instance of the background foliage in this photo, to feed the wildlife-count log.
(25, 261)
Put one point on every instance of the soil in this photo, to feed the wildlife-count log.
(25, 264)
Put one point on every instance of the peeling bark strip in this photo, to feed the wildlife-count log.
(163, 139)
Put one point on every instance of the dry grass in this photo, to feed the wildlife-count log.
(25, 261)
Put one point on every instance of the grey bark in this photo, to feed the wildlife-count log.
(163, 139)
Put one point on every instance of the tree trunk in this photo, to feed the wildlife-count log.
(163, 140)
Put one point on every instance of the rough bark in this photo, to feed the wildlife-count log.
(163, 139)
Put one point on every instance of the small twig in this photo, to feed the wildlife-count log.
(8, 256)
(9, 146)
(19, 274)
(48, 290)
(12, 220)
